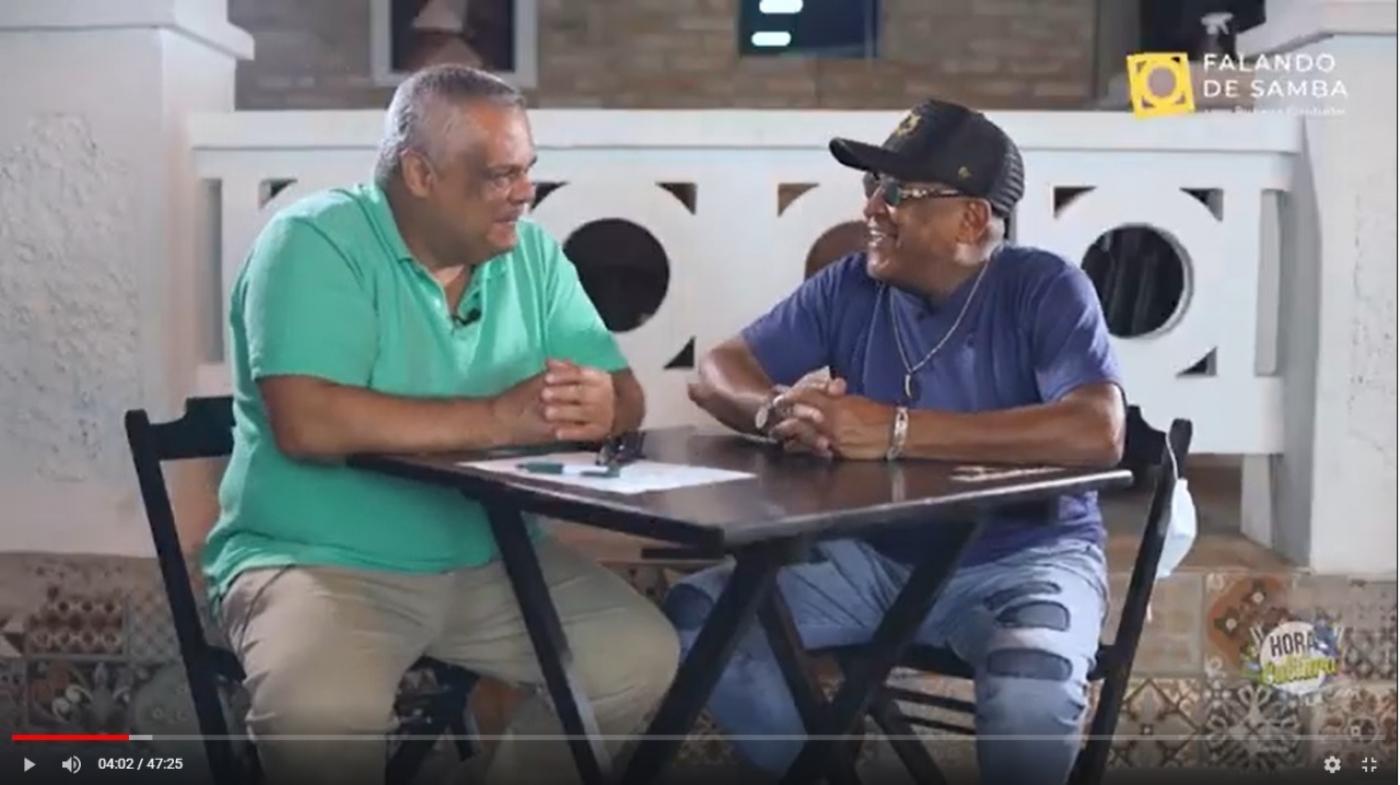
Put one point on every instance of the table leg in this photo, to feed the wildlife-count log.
(752, 580)
(872, 666)
(904, 739)
(551, 647)
(800, 675)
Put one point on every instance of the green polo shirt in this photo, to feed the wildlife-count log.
(330, 290)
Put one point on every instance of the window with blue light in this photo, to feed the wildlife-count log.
(809, 28)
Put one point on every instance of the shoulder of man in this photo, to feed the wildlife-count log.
(330, 208)
(321, 231)
(1031, 263)
(846, 274)
(1035, 272)
(341, 216)
(346, 218)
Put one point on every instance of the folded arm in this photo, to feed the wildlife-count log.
(314, 418)
(1085, 427)
(1076, 416)
(732, 386)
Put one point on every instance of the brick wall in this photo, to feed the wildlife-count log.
(315, 54)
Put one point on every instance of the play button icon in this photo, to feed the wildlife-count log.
(28, 764)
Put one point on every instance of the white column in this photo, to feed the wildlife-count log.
(1333, 492)
(103, 230)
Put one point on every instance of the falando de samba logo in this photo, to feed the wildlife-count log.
(1291, 75)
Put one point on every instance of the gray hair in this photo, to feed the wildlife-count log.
(996, 233)
(415, 108)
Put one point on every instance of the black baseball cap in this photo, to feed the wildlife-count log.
(940, 141)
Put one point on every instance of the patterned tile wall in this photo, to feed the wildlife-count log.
(82, 695)
(86, 644)
(12, 682)
(1358, 721)
(1161, 724)
(1251, 726)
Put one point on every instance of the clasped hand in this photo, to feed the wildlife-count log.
(823, 419)
(568, 402)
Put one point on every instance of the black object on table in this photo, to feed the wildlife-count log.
(765, 522)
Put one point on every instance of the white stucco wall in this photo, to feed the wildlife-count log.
(1354, 427)
(1333, 491)
(99, 221)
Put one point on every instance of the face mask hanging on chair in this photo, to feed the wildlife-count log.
(1181, 522)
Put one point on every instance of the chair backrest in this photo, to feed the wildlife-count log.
(205, 430)
(1156, 458)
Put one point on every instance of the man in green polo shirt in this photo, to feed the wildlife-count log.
(420, 312)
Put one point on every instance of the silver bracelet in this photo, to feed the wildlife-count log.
(899, 433)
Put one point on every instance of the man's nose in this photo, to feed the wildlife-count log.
(523, 191)
(875, 206)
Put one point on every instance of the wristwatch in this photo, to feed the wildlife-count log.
(763, 419)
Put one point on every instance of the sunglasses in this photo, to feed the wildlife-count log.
(895, 194)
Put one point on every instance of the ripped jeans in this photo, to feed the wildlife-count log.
(1028, 624)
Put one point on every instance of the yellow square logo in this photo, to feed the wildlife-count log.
(1159, 84)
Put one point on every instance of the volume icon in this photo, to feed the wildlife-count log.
(72, 765)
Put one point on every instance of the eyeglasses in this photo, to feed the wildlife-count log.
(895, 194)
(618, 452)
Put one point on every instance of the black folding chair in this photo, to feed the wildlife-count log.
(206, 431)
(1155, 458)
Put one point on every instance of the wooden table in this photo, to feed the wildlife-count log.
(765, 522)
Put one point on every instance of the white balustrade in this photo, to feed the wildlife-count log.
(735, 255)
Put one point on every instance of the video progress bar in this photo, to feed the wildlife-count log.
(81, 737)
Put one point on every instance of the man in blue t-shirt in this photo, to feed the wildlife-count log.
(943, 342)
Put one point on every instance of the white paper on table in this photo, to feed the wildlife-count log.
(638, 477)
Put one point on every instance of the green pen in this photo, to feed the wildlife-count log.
(553, 467)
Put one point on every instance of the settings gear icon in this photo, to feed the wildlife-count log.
(1332, 764)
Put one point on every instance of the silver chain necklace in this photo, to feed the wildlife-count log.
(911, 385)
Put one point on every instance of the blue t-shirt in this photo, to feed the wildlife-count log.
(1034, 333)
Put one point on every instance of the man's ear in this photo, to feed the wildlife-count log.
(975, 222)
(417, 173)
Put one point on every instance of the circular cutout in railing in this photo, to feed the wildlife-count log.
(623, 268)
(1140, 275)
(836, 242)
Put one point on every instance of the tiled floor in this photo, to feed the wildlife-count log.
(12, 623)
(12, 697)
(1369, 654)
(87, 624)
(76, 696)
(150, 635)
(1172, 643)
(1239, 608)
(1251, 726)
(1357, 722)
(1161, 720)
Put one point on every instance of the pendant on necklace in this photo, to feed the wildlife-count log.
(911, 388)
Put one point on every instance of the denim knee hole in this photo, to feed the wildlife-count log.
(1029, 664)
(1026, 589)
(1041, 614)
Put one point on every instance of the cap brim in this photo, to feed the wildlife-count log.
(869, 158)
